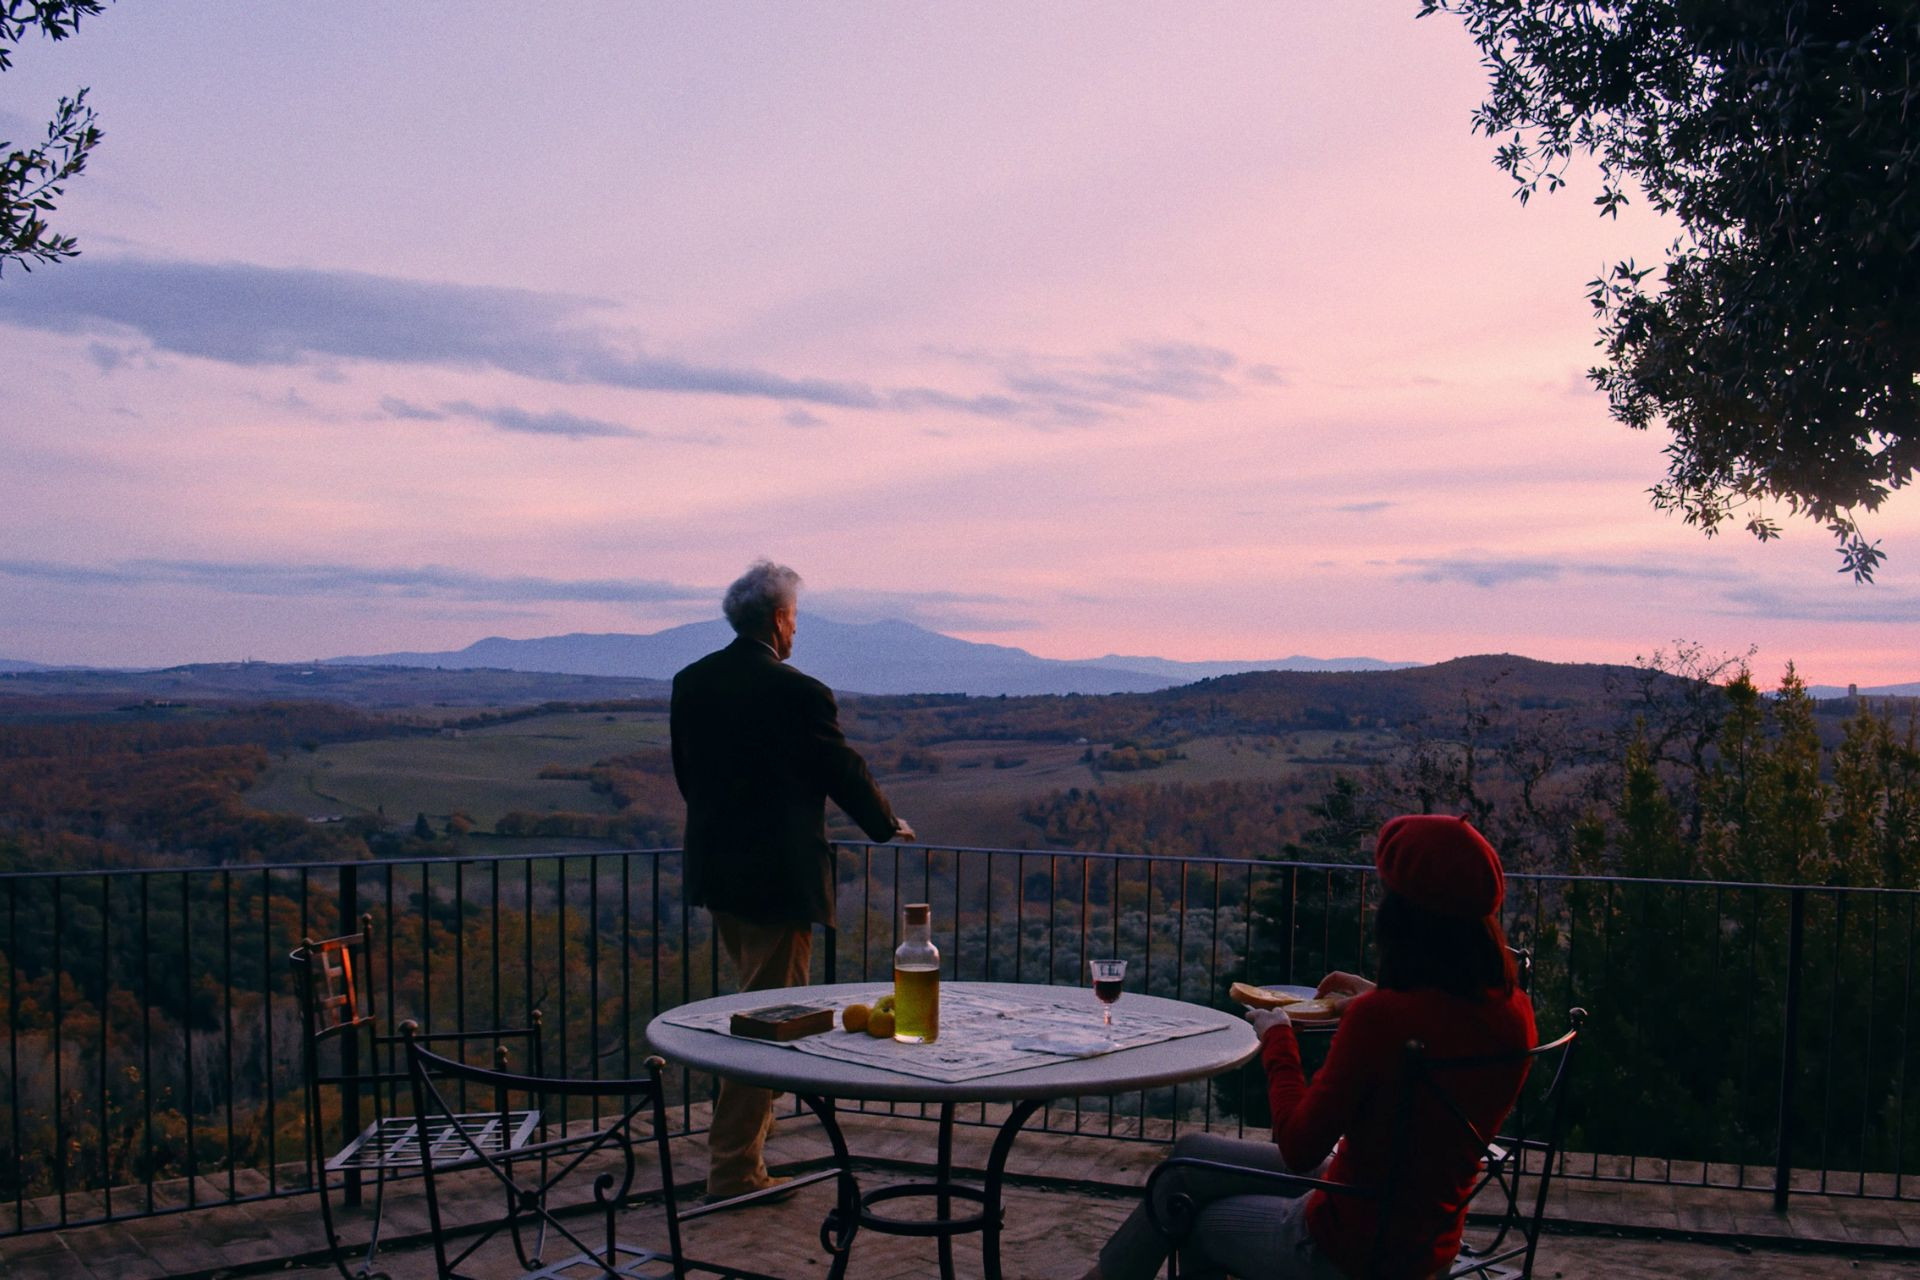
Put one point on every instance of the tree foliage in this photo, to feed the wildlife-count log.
(1782, 343)
(32, 178)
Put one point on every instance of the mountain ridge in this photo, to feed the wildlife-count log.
(885, 657)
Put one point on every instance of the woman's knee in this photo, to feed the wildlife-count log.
(1191, 1145)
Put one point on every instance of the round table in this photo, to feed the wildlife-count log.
(818, 1082)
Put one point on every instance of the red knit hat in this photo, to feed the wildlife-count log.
(1440, 863)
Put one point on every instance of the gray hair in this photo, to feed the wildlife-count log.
(759, 593)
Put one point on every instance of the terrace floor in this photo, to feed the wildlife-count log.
(1068, 1193)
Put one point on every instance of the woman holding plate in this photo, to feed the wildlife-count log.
(1446, 979)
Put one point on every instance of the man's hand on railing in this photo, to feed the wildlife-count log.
(903, 831)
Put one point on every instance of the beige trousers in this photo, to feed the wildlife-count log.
(763, 957)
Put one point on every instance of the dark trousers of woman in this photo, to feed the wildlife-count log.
(1243, 1227)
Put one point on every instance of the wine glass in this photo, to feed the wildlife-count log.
(1109, 976)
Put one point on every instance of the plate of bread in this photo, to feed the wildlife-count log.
(1299, 1003)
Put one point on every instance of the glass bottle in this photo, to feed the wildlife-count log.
(916, 978)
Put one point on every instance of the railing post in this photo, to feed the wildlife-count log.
(1790, 1046)
(833, 954)
(349, 908)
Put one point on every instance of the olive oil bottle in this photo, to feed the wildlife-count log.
(916, 978)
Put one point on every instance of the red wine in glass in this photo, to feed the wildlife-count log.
(1109, 979)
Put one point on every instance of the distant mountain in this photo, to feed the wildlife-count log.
(9, 664)
(873, 657)
(656, 656)
(1909, 690)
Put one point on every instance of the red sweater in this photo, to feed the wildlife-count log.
(1355, 1095)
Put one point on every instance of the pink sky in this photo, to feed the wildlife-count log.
(1203, 333)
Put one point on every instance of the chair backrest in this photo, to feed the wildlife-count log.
(453, 1138)
(1503, 1158)
(1516, 1149)
(336, 991)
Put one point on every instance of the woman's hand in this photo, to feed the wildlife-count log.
(1340, 983)
(1265, 1020)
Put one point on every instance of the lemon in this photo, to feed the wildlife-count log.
(883, 1004)
(880, 1024)
(854, 1017)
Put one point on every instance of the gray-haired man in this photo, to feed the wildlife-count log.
(757, 752)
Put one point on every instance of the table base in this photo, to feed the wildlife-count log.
(854, 1209)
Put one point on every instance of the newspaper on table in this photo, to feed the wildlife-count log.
(986, 1033)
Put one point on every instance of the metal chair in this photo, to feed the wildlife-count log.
(604, 1147)
(1528, 1145)
(1503, 1159)
(345, 1052)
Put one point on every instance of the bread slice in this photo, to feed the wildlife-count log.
(1261, 998)
(1317, 1010)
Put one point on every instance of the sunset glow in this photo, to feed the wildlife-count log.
(1205, 333)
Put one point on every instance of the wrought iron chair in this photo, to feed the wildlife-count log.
(1504, 1159)
(603, 1146)
(1498, 1165)
(346, 1052)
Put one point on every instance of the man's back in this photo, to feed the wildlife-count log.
(757, 750)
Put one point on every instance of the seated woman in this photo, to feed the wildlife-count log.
(1447, 980)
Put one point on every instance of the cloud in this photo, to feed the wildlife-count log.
(257, 317)
(985, 406)
(1076, 388)
(798, 417)
(1850, 602)
(107, 357)
(640, 373)
(264, 578)
(555, 423)
(248, 315)
(509, 418)
(407, 412)
(66, 574)
(1481, 571)
(1363, 508)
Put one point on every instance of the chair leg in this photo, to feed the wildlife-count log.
(338, 1246)
(533, 1259)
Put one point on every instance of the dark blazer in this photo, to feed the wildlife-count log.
(757, 751)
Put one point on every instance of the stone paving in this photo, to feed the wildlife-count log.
(1069, 1193)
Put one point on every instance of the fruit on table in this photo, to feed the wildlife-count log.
(854, 1017)
(880, 1024)
(883, 1003)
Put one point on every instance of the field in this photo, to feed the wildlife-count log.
(481, 772)
(975, 796)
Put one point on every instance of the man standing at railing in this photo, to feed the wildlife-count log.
(757, 752)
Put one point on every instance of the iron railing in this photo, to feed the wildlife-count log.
(1743, 1035)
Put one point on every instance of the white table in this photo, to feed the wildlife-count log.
(818, 1082)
